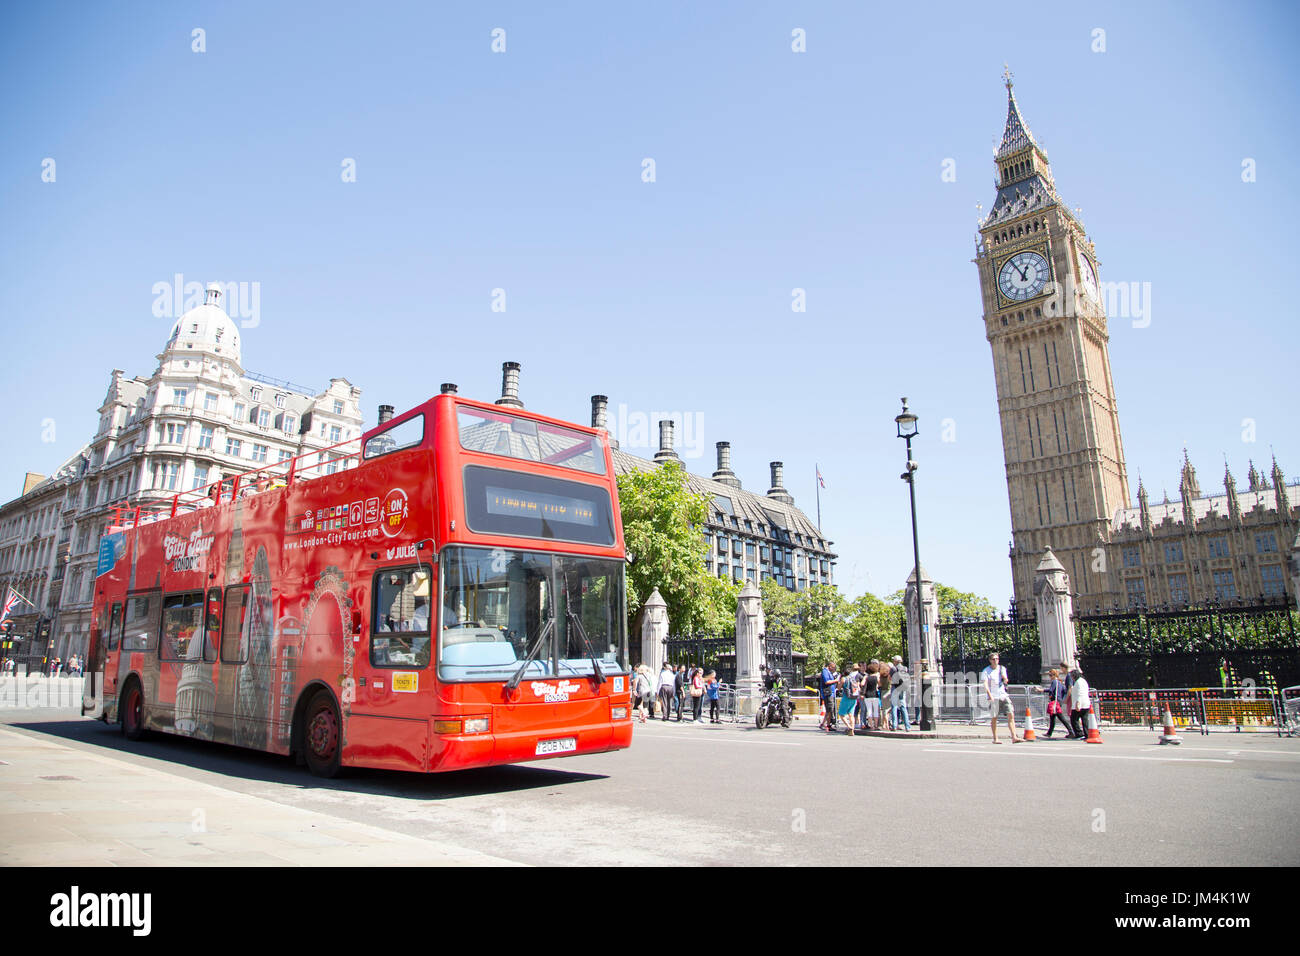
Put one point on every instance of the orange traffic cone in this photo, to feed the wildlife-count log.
(1029, 725)
(1094, 735)
(1170, 736)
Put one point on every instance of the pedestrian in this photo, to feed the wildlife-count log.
(666, 689)
(851, 690)
(826, 689)
(697, 693)
(886, 701)
(898, 695)
(711, 692)
(994, 678)
(679, 690)
(1055, 710)
(871, 695)
(641, 690)
(1080, 701)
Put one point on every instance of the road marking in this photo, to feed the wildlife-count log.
(1246, 752)
(1048, 753)
(713, 737)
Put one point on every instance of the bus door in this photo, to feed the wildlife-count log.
(104, 636)
(396, 656)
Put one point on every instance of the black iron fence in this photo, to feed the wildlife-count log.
(719, 654)
(1146, 647)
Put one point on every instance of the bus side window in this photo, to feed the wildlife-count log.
(115, 627)
(143, 619)
(233, 650)
(212, 625)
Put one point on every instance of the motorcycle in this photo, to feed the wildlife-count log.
(775, 707)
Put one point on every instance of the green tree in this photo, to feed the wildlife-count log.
(971, 606)
(876, 629)
(662, 522)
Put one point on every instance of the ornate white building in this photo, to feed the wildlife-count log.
(199, 418)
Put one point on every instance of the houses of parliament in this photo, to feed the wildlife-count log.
(1045, 320)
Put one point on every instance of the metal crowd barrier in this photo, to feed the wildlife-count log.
(1203, 709)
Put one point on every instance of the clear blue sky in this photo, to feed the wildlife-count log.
(775, 170)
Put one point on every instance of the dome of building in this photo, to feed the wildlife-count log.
(207, 327)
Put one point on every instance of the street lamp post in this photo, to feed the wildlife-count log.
(907, 430)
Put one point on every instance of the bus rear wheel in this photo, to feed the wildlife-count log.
(132, 707)
(322, 736)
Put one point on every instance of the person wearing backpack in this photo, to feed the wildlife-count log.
(995, 685)
(852, 690)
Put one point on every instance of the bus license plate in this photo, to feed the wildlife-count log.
(563, 745)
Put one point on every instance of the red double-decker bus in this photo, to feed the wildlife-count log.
(445, 592)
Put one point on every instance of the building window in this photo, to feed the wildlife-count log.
(233, 447)
(255, 393)
(279, 400)
(1132, 558)
(1271, 576)
(166, 475)
(1265, 544)
(264, 417)
(336, 433)
(288, 424)
(285, 455)
(722, 544)
(1225, 588)
(205, 437)
(239, 411)
(1137, 592)
(209, 401)
(200, 475)
(259, 452)
(180, 396)
(1219, 548)
(1174, 552)
(338, 407)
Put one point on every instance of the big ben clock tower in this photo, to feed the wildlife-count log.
(1046, 323)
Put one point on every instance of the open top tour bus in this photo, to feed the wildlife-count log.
(444, 592)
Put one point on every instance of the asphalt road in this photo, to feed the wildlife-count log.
(693, 795)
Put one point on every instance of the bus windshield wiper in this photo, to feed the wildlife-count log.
(513, 682)
(576, 622)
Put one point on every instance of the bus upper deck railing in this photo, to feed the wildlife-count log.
(268, 477)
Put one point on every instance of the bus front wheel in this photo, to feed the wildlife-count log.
(132, 706)
(322, 736)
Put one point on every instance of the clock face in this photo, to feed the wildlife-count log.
(1088, 275)
(1023, 276)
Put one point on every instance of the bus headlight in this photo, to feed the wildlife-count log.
(618, 713)
(476, 725)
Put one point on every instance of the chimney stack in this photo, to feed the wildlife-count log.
(448, 388)
(665, 452)
(385, 413)
(599, 417)
(777, 491)
(724, 473)
(510, 385)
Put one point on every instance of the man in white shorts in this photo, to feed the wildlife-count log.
(995, 685)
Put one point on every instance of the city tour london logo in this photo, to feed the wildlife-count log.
(556, 692)
(183, 554)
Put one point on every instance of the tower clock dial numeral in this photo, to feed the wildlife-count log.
(1023, 276)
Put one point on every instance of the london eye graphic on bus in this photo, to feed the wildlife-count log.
(445, 592)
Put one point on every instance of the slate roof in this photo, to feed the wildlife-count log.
(758, 509)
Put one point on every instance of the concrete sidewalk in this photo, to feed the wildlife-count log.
(60, 806)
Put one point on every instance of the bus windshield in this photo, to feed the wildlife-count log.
(561, 613)
(499, 433)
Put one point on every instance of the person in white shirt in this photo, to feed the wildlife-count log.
(995, 685)
(1080, 701)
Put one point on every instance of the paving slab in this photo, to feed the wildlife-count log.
(107, 812)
